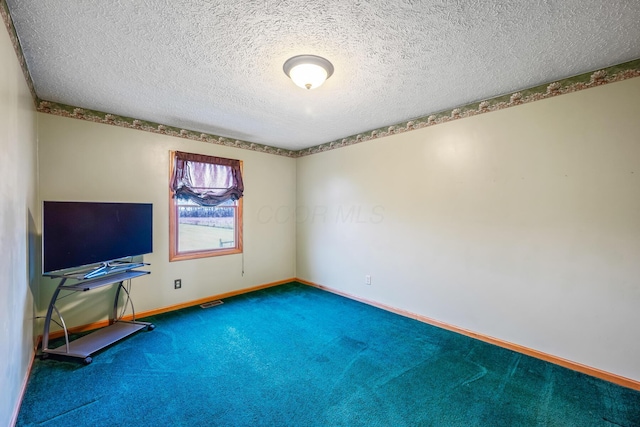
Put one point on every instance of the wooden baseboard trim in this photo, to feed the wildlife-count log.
(140, 315)
(23, 390)
(594, 372)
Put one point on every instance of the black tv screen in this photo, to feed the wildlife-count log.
(78, 234)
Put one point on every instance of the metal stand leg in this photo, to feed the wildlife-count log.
(115, 303)
(47, 320)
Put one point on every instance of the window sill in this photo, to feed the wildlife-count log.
(203, 254)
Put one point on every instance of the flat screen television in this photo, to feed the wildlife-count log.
(78, 235)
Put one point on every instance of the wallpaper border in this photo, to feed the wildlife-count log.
(577, 83)
(63, 110)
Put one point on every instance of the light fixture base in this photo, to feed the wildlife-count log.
(306, 70)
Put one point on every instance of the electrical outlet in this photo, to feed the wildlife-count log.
(367, 279)
(177, 284)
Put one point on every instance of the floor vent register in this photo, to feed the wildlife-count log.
(211, 304)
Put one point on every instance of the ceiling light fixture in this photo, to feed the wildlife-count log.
(308, 71)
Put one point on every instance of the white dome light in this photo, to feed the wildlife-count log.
(308, 71)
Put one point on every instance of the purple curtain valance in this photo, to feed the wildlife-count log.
(206, 180)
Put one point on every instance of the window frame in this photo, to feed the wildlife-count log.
(174, 253)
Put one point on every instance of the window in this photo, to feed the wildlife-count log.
(205, 206)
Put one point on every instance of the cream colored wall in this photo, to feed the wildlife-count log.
(18, 219)
(81, 160)
(521, 224)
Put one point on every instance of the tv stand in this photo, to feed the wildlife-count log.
(83, 347)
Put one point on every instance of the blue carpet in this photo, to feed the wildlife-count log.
(297, 356)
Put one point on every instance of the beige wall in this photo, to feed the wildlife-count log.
(521, 224)
(18, 219)
(81, 160)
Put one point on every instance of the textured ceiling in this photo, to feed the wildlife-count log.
(216, 66)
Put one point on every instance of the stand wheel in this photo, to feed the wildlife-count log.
(151, 327)
(87, 360)
(44, 356)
